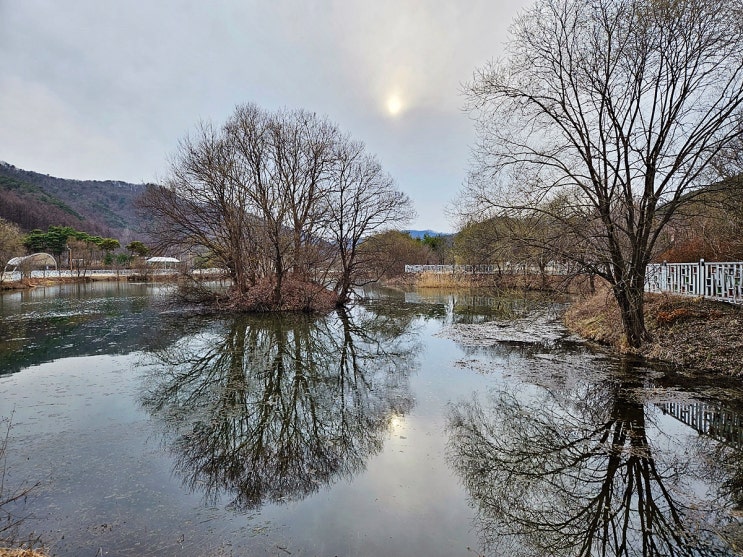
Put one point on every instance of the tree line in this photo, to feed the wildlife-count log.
(70, 247)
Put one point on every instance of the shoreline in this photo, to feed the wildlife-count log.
(691, 334)
(97, 276)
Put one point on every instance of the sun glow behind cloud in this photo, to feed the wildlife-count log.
(394, 105)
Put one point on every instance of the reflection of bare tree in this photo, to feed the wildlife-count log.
(574, 474)
(269, 409)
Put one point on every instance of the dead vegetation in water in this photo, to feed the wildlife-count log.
(693, 334)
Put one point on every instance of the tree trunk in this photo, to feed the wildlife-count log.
(343, 289)
(279, 277)
(631, 300)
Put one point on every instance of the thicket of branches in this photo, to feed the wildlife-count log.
(282, 200)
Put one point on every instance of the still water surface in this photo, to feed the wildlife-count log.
(413, 424)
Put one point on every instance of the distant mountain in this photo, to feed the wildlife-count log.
(421, 233)
(106, 208)
(102, 207)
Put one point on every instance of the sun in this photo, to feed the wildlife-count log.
(394, 105)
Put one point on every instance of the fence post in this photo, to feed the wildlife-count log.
(702, 279)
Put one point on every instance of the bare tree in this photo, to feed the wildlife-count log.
(386, 254)
(363, 200)
(615, 108)
(278, 199)
(11, 243)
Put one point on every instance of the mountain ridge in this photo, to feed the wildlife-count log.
(33, 200)
(102, 207)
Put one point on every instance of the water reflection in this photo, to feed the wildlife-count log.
(581, 471)
(717, 454)
(72, 320)
(467, 306)
(269, 409)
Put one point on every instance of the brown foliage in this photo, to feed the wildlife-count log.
(666, 310)
(296, 295)
(695, 249)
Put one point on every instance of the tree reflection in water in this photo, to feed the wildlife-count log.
(269, 409)
(573, 473)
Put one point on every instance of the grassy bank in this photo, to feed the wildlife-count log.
(692, 334)
(544, 283)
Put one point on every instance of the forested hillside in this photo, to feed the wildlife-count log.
(34, 200)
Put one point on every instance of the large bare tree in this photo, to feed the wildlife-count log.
(281, 200)
(603, 121)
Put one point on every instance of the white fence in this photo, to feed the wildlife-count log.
(716, 281)
(506, 268)
(481, 269)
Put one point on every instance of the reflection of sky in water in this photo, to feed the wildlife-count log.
(107, 470)
(103, 463)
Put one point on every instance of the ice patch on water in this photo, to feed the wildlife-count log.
(537, 329)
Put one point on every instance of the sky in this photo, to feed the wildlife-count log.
(105, 90)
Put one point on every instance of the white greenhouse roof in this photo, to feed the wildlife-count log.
(162, 260)
(33, 259)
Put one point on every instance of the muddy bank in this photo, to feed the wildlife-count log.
(693, 334)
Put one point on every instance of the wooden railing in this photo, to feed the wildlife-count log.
(716, 281)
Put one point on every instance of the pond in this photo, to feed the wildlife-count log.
(412, 424)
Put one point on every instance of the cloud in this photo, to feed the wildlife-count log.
(106, 90)
(42, 133)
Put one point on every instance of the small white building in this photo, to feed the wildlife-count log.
(163, 262)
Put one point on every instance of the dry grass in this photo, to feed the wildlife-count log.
(596, 317)
(21, 553)
(551, 283)
(692, 334)
(447, 280)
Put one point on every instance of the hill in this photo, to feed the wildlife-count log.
(101, 207)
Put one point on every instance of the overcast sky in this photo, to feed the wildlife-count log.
(91, 89)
